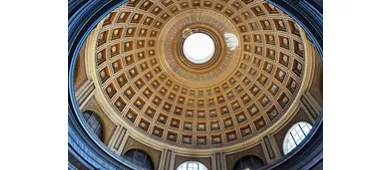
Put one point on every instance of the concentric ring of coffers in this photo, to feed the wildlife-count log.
(257, 92)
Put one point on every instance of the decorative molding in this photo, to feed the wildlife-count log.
(85, 93)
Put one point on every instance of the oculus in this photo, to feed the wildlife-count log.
(198, 48)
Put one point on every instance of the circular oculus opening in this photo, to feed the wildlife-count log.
(198, 48)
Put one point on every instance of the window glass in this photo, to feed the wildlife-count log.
(295, 136)
(192, 165)
(94, 123)
(140, 158)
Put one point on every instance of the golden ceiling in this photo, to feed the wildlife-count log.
(241, 92)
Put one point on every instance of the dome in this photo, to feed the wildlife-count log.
(199, 77)
(147, 80)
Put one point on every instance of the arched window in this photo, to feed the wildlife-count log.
(295, 136)
(94, 123)
(192, 165)
(140, 158)
(249, 163)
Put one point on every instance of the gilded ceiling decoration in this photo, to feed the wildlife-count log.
(241, 91)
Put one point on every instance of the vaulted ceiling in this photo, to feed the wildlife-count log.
(240, 93)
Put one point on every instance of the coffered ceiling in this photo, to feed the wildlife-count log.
(240, 92)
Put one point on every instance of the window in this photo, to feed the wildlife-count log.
(295, 136)
(249, 163)
(94, 123)
(140, 158)
(199, 48)
(192, 165)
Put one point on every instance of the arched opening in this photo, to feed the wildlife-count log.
(295, 136)
(192, 165)
(139, 158)
(249, 162)
(94, 123)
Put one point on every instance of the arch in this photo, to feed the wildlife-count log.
(94, 123)
(191, 165)
(249, 162)
(295, 135)
(140, 158)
